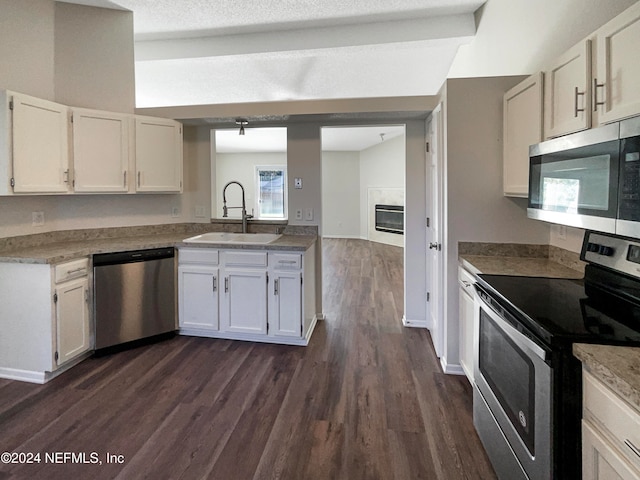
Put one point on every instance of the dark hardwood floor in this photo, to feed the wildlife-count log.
(365, 400)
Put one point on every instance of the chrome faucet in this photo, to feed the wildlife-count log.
(225, 209)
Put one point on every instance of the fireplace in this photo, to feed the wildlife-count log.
(390, 218)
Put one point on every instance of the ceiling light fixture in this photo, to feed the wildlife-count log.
(242, 122)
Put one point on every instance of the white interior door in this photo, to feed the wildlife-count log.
(434, 267)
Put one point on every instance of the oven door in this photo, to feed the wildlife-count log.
(513, 384)
(573, 180)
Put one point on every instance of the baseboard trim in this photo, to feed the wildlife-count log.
(351, 237)
(414, 323)
(33, 376)
(451, 368)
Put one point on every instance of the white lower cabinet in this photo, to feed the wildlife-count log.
(466, 308)
(244, 308)
(198, 288)
(610, 434)
(259, 295)
(285, 294)
(72, 319)
(44, 318)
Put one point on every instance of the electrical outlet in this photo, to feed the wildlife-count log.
(200, 211)
(299, 214)
(562, 232)
(308, 214)
(297, 182)
(37, 219)
(175, 212)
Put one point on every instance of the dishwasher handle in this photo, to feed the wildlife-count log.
(132, 256)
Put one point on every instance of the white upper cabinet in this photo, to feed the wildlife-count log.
(522, 109)
(567, 92)
(100, 151)
(616, 81)
(40, 145)
(158, 155)
(48, 148)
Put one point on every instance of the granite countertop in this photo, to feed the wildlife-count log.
(616, 367)
(52, 253)
(523, 266)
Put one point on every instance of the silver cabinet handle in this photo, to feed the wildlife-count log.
(76, 270)
(434, 246)
(596, 86)
(465, 283)
(226, 284)
(275, 287)
(633, 448)
(575, 102)
(215, 286)
(125, 179)
(138, 178)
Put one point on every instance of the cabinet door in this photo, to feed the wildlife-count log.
(198, 297)
(245, 301)
(40, 146)
(72, 316)
(466, 314)
(600, 459)
(616, 86)
(285, 304)
(522, 110)
(567, 92)
(158, 155)
(100, 151)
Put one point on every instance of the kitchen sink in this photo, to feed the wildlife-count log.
(226, 237)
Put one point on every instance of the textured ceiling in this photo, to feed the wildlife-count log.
(194, 52)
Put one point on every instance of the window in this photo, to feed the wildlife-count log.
(271, 192)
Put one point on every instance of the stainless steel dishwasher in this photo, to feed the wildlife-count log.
(134, 296)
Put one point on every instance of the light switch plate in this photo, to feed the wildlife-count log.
(308, 214)
(297, 182)
(200, 211)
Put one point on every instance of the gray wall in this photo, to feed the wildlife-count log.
(58, 52)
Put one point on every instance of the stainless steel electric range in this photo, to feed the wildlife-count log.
(528, 386)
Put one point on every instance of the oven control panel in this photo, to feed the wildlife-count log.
(616, 253)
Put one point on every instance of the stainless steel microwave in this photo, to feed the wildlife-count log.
(589, 179)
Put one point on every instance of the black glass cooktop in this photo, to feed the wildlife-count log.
(563, 311)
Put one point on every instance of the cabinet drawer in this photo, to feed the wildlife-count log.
(466, 280)
(198, 255)
(285, 261)
(249, 259)
(70, 270)
(615, 417)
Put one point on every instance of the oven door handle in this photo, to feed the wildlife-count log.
(517, 337)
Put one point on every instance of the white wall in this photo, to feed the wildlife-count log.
(517, 37)
(341, 194)
(28, 33)
(476, 210)
(27, 47)
(94, 58)
(241, 167)
(381, 166)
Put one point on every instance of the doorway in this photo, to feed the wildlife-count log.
(363, 166)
